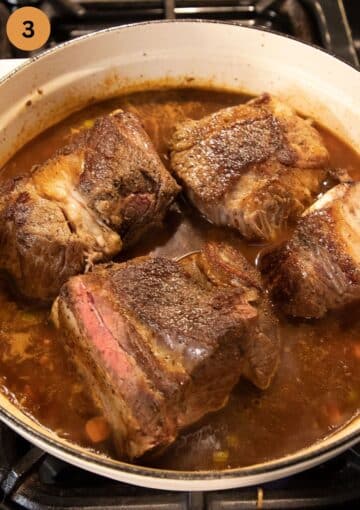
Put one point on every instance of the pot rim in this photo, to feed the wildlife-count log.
(281, 463)
(97, 33)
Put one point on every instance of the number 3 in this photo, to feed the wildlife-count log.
(29, 32)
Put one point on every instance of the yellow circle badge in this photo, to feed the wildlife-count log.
(28, 28)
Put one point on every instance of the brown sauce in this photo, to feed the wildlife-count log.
(317, 387)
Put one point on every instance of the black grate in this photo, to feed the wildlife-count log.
(33, 480)
(99, 14)
(321, 22)
(352, 8)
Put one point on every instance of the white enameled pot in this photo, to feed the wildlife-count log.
(188, 53)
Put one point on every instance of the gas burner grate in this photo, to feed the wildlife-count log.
(319, 22)
(100, 14)
(33, 480)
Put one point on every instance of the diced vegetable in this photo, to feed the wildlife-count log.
(28, 318)
(353, 396)
(356, 349)
(97, 429)
(220, 456)
(44, 360)
(232, 440)
(88, 123)
(333, 413)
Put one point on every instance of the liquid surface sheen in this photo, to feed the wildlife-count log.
(316, 389)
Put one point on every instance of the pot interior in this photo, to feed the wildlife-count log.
(157, 55)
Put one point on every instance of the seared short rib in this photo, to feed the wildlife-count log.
(162, 342)
(98, 193)
(318, 269)
(254, 167)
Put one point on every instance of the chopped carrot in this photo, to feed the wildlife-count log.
(334, 414)
(357, 350)
(97, 429)
(44, 360)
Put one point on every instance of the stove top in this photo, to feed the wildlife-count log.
(322, 22)
(32, 479)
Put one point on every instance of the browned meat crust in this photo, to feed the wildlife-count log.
(254, 167)
(223, 266)
(100, 192)
(123, 179)
(318, 269)
(162, 343)
(38, 249)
